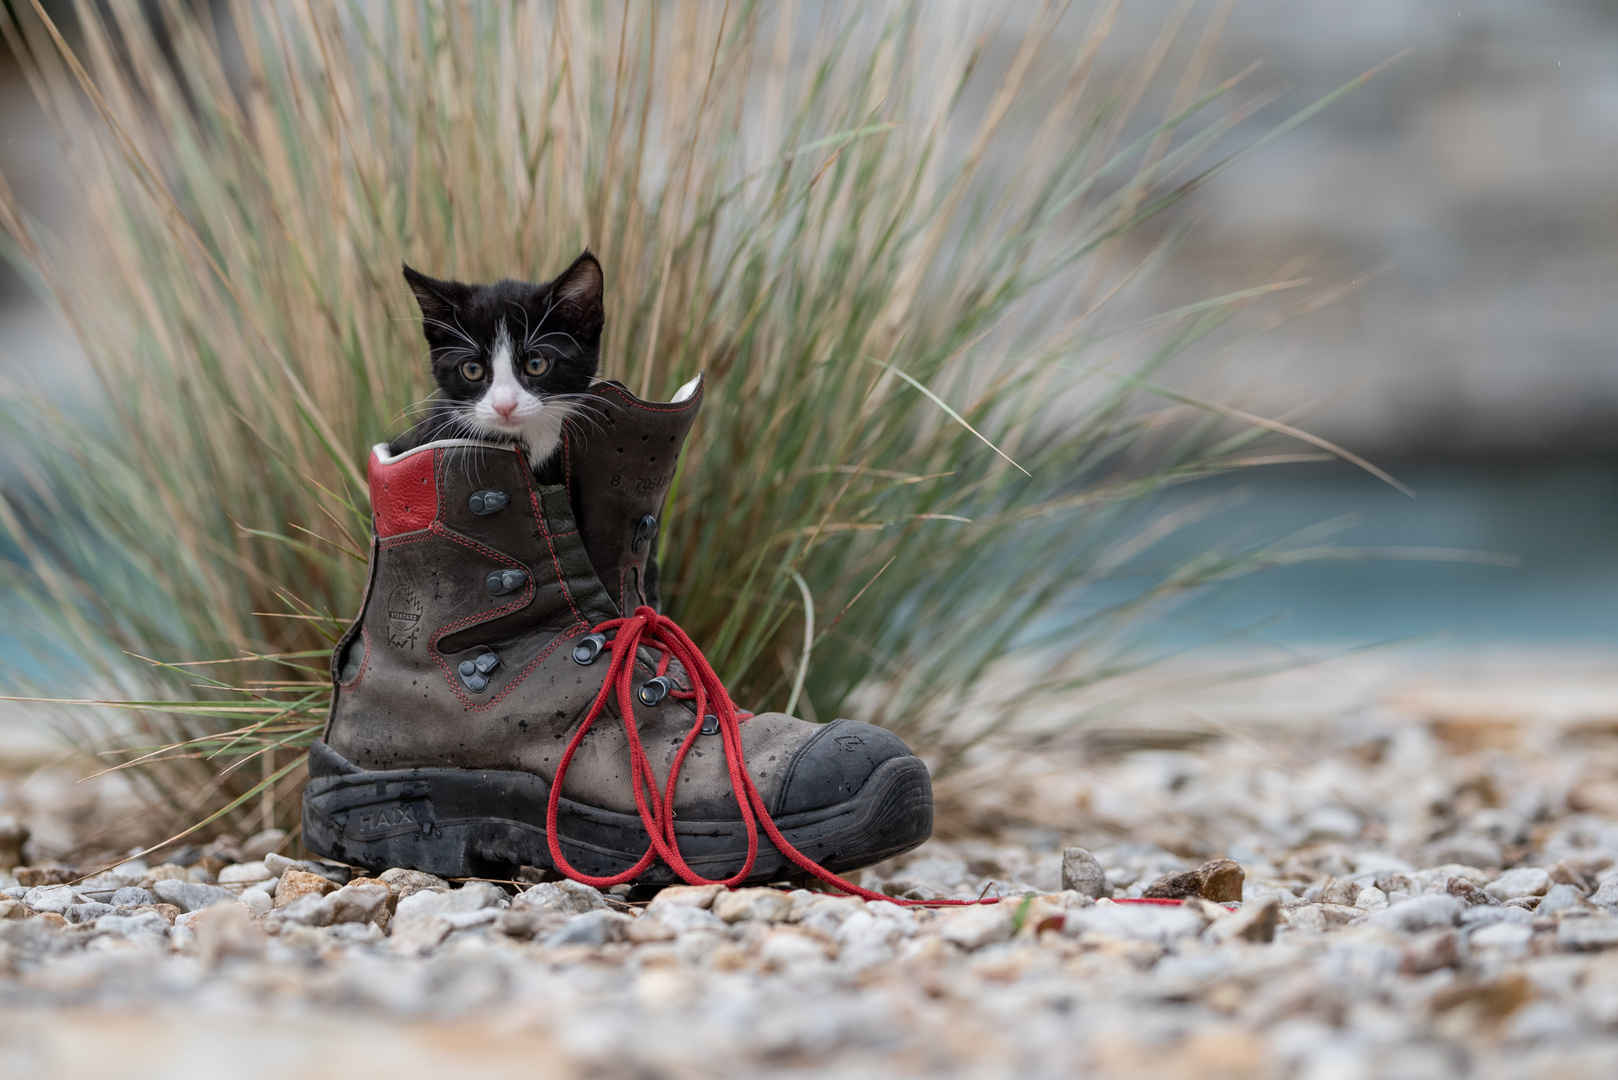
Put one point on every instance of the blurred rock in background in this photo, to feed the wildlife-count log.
(1472, 178)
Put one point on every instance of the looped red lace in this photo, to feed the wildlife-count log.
(646, 627)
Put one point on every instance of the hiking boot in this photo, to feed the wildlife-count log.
(509, 624)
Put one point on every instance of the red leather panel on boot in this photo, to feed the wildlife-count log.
(404, 496)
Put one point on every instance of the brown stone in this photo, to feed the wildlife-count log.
(169, 872)
(169, 911)
(402, 883)
(33, 876)
(1256, 921)
(727, 957)
(1429, 952)
(374, 881)
(701, 896)
(1467, 893)
(213, 864)
(1318, 918)
(295, 883)
(384, 914)
(1176, 886)
(527, 924)
(1576, 874)
(1495, 999)
(1340, 891)
(227, 930)
(1210, 1053)
(1221, 881)
(650, 929)
(13, 835)
(50, 918)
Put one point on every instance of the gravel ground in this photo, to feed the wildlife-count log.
(1427, 883)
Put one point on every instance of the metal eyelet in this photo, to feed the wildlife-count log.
(710, 724)
(484, 503)
(645, 529)
(475, 673)
(500, 582)
(654, 689)
(589, 648)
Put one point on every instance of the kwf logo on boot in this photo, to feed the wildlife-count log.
(404, 617)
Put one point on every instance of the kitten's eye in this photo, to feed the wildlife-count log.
(472, 370)
(537, 366)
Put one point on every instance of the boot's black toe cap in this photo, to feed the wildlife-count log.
(834, 765)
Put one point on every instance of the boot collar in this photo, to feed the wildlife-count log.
(383, 457)
(687, 396)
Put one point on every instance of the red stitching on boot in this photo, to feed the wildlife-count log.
(567, 462)
(527, 670)
(545, 531)
(476, 618)
(580, 625)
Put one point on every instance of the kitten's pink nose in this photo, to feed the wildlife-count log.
(504, 410)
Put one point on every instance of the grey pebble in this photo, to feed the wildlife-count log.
(1581, 935)
(591, 928)
(192, 895)
(57, 898)
(88, 912)
(279, 864)
(1561, 898)
(567, 897)
(134, 924)
(1606, 894)
(1420, 913)
(1083, 874)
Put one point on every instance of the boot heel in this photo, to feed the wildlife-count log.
(448, 822)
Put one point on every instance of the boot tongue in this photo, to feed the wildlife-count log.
(617, 465)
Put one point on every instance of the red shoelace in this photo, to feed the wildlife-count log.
(647, 628)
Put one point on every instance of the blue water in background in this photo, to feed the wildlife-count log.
(1559, 518)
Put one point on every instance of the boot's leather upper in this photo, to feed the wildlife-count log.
(617, 463)
(482, 580)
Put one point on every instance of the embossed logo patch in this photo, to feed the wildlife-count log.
(399, 819)
(404, 617)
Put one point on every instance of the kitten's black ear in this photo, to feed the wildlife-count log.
(580, 287)
(437, 299)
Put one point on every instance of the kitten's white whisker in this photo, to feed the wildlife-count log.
(557, 333)
(457, 330)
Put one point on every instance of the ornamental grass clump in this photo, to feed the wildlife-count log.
(929, 434)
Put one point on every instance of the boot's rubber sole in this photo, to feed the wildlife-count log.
(485, 823)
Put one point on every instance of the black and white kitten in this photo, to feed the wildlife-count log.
(511, 359)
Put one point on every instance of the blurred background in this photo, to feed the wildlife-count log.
(1463, 200)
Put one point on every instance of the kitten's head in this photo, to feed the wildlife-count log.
(510, 357)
